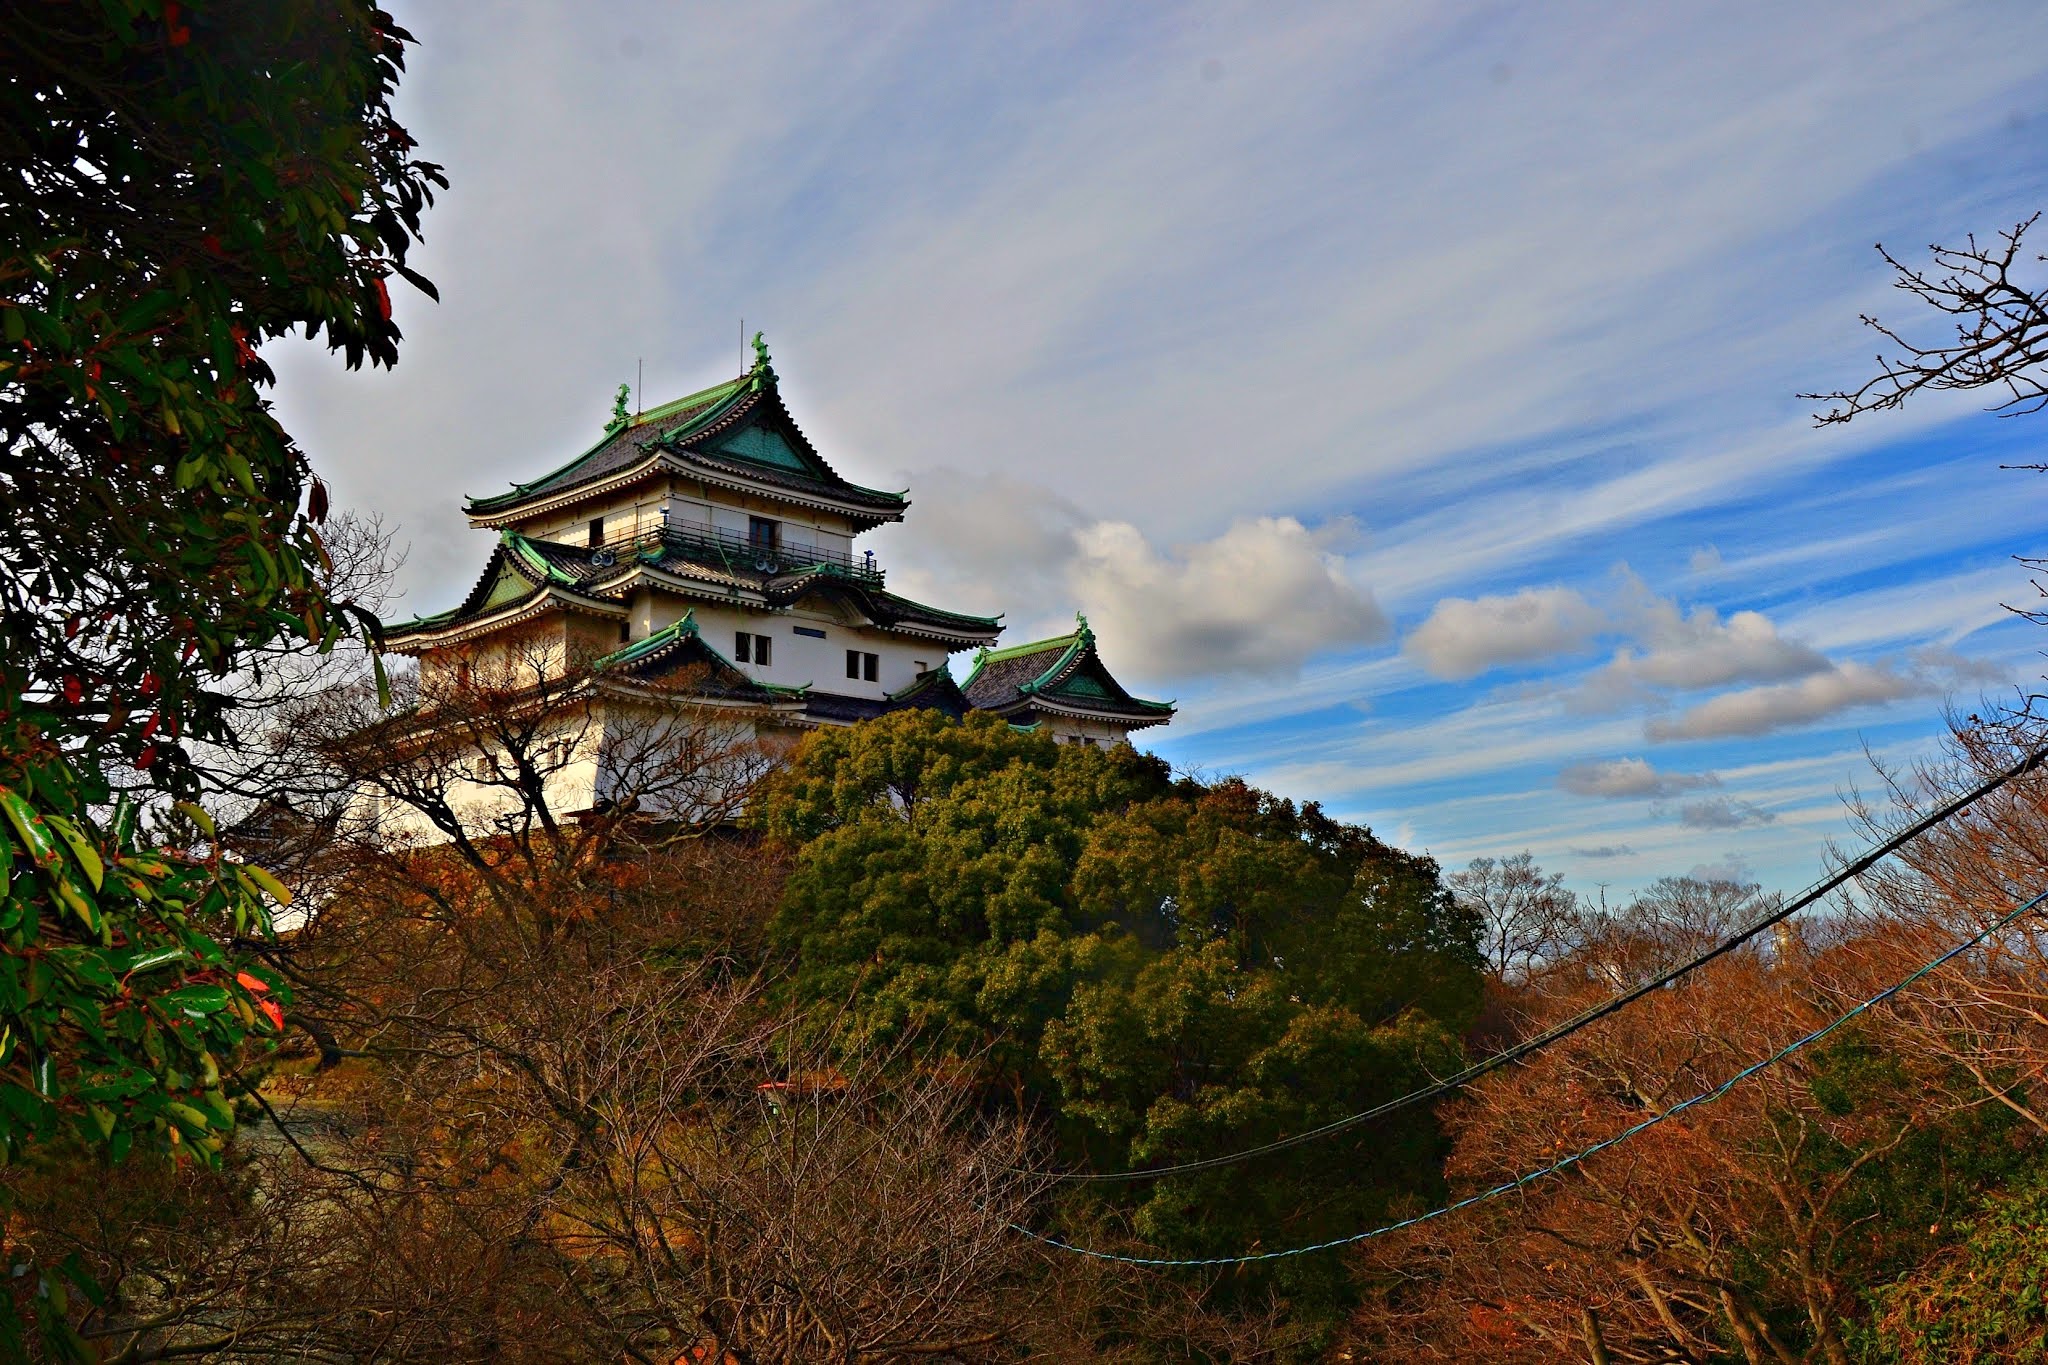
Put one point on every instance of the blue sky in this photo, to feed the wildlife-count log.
(1406, 389)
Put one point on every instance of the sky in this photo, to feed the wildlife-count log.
(1407, 390)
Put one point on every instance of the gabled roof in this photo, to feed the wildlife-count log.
(524, 572)
(681, 647)
(735, 432)
(779, 587)
(520, 572)
(1063, 676)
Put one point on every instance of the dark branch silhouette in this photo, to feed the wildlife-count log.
(2001, 333)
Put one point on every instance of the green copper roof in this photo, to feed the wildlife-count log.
(1063, 666)
(713, 401)
(653, 644)
(1081, 637)
(678, 633)
(762, 446)
(746, 423)
(516, 568)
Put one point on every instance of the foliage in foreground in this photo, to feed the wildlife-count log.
(183, 185)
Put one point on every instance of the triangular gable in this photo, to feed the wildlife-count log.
(509, 586)
(763, 445)
(1065, 668)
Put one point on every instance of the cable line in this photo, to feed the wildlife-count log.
(1564, 1163)
(1538, 1042)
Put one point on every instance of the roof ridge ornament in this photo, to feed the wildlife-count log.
(1082, 631)
(762, 370)
(621, 419)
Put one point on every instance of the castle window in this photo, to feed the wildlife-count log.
(861, 665)
(764, 533)
(596, 532)
(763, 647)
(742, 648)
(755, 649)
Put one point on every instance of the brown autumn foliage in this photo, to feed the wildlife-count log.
(1762, 1226)
(542, 1105)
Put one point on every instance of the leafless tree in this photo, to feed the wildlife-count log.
(1530, 918)
(2000, 324)
(1987, 1015)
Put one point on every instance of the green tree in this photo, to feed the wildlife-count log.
(1164, 970)
(183, 183)
(1983, 1298)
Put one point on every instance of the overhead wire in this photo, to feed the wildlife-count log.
(1567, 1162)
(1530, 1046)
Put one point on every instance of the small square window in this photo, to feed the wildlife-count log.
(742, 648)
(763, 650)
(869, 666)
(764, 533)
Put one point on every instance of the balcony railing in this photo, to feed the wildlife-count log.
(734, 550)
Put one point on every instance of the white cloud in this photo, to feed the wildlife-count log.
(1760, 710)
(1629, 777)
(1258, 600)
(1466, 636)
(1598, 851)
(1691, 650)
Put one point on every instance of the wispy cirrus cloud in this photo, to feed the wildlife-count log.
(1144, 309)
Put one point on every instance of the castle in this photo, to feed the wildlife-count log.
(702, 553)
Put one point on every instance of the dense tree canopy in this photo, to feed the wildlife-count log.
(1166, 970)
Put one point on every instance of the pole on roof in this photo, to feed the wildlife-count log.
(639, 383)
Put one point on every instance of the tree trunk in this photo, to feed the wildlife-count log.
(1596, 1345)
(1680, 1338)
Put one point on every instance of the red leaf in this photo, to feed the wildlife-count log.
(383, 299)
(316, 502)
(252, 983)
(74, 691)
(180, 34)
(146, 757)
(272, 1012)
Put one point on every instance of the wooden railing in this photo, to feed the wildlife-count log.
(709, 544)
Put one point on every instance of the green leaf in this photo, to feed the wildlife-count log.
(196, 1000)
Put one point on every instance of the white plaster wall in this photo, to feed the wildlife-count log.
(1070, 730)
(800, 659)
(687, 503)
